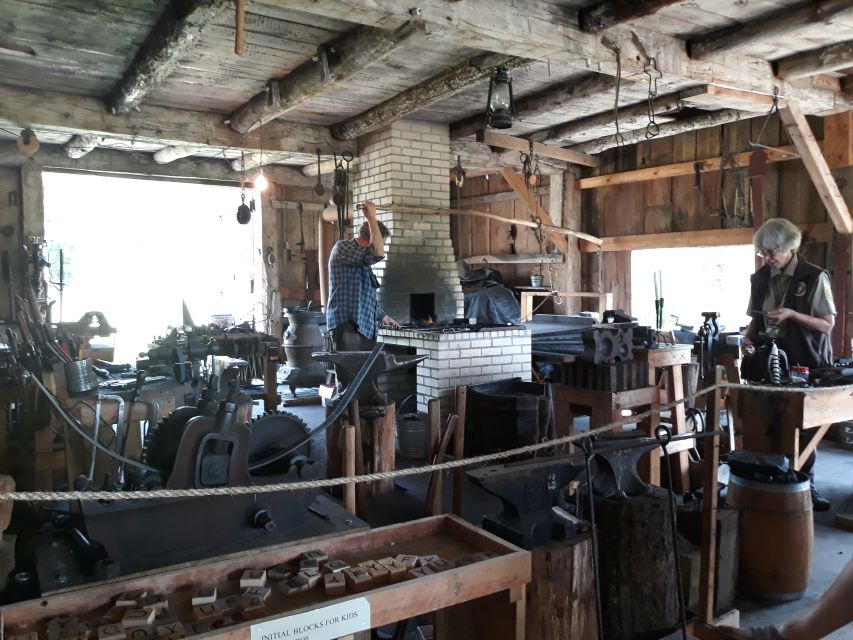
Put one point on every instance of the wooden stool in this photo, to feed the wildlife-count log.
(604, 407)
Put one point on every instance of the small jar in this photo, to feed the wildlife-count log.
(799, 375)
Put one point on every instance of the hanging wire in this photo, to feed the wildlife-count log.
(620, 139)
(654, 74)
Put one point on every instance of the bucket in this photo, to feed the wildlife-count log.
(80, 377)
(776, 537)
(413, 432)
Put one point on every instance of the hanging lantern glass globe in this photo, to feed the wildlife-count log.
(499, 106)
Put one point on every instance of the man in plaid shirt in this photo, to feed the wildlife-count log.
(353, 312)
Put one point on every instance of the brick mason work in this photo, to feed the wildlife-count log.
(464, 358)
(407, 163)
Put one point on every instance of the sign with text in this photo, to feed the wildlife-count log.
(326, 623)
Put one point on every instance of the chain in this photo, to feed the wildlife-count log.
(620, 139)
(654, 74)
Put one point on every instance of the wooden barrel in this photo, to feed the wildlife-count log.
(776, 537)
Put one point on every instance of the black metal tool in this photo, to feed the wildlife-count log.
(663, 434)
(528, 491)
(319, 189)
(347, 157)
(339, 193)
(349, 363)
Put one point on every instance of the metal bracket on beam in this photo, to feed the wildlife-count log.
(273, 94)
(323, 59)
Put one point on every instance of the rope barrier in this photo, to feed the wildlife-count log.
(43, 496)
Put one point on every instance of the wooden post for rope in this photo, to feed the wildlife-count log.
(349, 467)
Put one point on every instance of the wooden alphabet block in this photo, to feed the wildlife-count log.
(205, 594)
(439, 564)
(294, 585)
(420, 572)
(367, 564)
(410, 562)
(205, 611)
(424, 561)
(358, 579)
(253, 578)
(112, 631)
(172, 629)
(315, 554)
(204, 626)
(335, 566)
(312, 576)
(130, 598)
(379, 574)
(335, 583)
(137, 618)
(140, 633)
(309, 563)
(253, 607)
(280, 572)
(61, 625)
(231, 604)
(396, 571)
(256, 592)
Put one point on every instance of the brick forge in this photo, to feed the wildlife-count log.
(407, 163)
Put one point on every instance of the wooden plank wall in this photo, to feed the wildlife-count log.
(675, 204)
(10, 238)
(477, 236)
(294, 266)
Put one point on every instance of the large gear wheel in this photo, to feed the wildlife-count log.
(271, 433)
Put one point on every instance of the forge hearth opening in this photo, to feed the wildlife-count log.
(422, 308)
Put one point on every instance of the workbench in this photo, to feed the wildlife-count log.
(485, 598)
(775, 421)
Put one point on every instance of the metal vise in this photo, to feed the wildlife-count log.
(348, 363)
(606, 344)
(528, 491)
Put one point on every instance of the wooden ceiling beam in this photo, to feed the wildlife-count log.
(335, 63)
(254, 160)
(80, 145)
(604, 15)
(632, 117)
(772, 26)
(518, 184)
(590, 87)
(494, 139)
(803, 138)
(548, 31)
(424, 94)
(112, 161)
(702, 121)
(178, 27)
(811, 63)
(479, 159)
(160, 126)
(172, 153)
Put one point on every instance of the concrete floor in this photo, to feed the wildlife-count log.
(833, 547)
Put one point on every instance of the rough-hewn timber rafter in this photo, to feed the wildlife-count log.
(424, 94)
(592, 86)
(180, 24)
(601, 124)
(809, 63)
(80, 145)
(494, 139)
(478, 158)
(547, 31)
(78, 115)
(602, 16)
(172, 153)
(675, 127)
(336, 62)
(771, 26)
(104, 160)
(803, 138)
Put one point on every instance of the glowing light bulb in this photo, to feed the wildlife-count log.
(260, 181)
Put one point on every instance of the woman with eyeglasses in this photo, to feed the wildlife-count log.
(792, 299)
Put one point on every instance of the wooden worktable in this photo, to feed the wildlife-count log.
(774, 421)
(500, 581)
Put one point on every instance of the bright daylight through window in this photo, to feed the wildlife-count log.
(694, 280)
(134, 249)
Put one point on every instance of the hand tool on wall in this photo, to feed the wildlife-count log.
(339, 193)
(319, 189)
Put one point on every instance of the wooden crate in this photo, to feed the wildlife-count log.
(506, 573)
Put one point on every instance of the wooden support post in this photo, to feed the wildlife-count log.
(707, 567)
(383, 438)
(680, 461)
(349, 467)
(434, 419)
(459, 448)
(361, 488)
(435, 490)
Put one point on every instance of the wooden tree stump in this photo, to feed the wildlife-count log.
(639, 593)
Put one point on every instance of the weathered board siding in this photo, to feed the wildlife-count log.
(675, 204)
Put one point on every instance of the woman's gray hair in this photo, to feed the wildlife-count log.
(777, 234)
